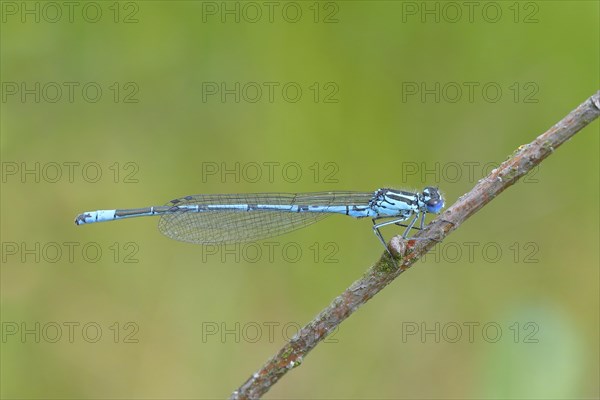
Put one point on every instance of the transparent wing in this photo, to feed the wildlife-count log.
(235, 226)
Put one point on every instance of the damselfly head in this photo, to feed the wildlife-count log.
(433, 199)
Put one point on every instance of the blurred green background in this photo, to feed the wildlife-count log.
(377, 106)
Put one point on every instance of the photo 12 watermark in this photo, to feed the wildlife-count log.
(271, 12)
(70, 332)
(89, 92)
(54, 12)
(21, 252)
(491, 252)
(254, 332)
(436, 173)
(483, 12)
(270, 252)
(469, 92)
(269, 92)
(269, 172)
(70, 172)
(469, 332)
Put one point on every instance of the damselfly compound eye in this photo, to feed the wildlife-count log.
(433, 199)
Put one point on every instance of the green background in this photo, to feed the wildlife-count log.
(156, 126)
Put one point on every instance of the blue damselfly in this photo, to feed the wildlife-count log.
(236, 218)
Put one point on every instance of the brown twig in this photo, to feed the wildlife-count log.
(386, 270)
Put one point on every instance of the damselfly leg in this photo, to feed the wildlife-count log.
(421, 225)
(408, 227)
(396, 221)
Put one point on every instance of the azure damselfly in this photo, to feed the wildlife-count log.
(236, 218)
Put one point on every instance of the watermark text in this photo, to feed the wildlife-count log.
(487, 252)
(271, 252)
(70, 92)
(253, 332)
(452, 12)
(69, 172)
(252, 12)
(454, 171)
(469, 332)
(270, 92)
(69, 332)
(470, 92)
(269, 172)
(52, 12)
(69, 252)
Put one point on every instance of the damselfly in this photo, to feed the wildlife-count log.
(236, 218)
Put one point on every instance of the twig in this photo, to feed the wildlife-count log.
(386, 270)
